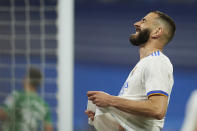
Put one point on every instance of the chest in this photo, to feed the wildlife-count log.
(134, 84)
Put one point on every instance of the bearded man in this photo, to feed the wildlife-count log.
(143, 100)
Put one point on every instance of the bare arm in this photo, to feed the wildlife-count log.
(155, 106)
(120, 128)
(48, 127)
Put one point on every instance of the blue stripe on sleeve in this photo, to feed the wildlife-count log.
(157, 91)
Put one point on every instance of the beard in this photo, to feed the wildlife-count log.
(141, 38)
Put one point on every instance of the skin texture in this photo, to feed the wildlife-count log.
(156, 105)
(48, 127)
(90, 114)
(120, 128)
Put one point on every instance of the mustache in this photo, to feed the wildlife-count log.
(137, 29)
(133, 30)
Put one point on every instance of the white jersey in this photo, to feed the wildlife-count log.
(190, 120)
(152, 75)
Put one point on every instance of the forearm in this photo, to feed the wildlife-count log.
(3, 115)
(155, 106)
(48, 127)
(143, 108)
(120, 128)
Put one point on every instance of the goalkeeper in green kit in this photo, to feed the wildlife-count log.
(25, 111)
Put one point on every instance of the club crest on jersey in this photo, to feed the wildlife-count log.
(124, 88)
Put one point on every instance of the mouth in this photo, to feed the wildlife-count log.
(137, 29)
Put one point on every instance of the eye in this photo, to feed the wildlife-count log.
(143, 20)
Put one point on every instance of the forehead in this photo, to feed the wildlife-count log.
(150, 16)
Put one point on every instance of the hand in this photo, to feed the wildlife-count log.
(120, 128)
(90, 114)
(99, 98)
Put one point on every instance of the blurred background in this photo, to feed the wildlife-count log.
(103, 54)
(28, 38)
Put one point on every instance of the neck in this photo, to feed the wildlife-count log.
(147, 49)
(30, 89)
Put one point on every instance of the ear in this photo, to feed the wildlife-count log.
(157, 33)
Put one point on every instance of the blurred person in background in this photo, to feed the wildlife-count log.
(190, 121)
(26, 110)
(143, 100)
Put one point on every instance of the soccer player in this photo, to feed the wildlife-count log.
(25, 111)
(190, 121)
(143, 100)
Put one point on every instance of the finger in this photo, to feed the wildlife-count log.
(90, 93)
(90, 115)
(88, 111)
(92, 118)
(91, 98)
(94, 101)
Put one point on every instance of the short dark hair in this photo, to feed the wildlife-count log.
(170, 23)
(35, 77)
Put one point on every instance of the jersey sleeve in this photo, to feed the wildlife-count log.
(47, 117)
(9, 103)
(158, 76)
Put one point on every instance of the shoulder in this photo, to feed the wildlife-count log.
(39, 99)
(157, 60)
(14, 95)
(11, 99)
(42, 102)
(39, 103)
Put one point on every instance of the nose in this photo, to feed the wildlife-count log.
(137, 24)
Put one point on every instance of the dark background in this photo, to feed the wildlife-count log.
(104, 56)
